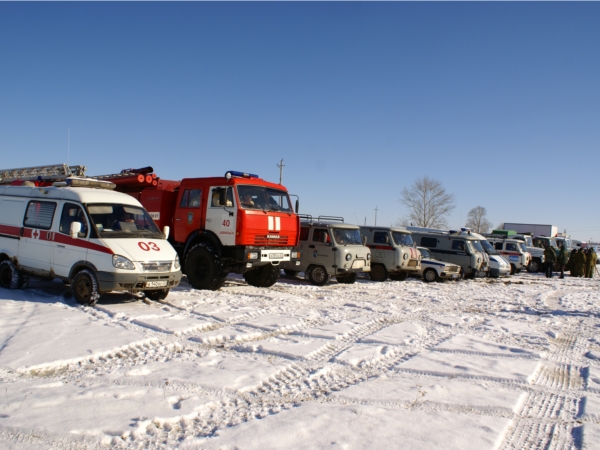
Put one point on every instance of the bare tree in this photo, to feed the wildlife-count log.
(476, 220)
(427, 202)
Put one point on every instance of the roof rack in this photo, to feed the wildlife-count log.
(311, 219)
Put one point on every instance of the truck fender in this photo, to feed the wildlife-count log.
(201, 236)
(79, 266)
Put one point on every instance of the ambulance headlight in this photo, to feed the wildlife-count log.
(176, 263)
(405, 256)
(120, 262)
(253, 255)
(348, 257)
(368, 257)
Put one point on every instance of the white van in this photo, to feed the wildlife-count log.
(96, 240)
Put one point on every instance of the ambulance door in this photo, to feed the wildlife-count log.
(221, 214)
(382, 252)
(187, 214)
(319, 249)
(68, 251)
(36, 245)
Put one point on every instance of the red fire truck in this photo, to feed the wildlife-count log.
(236, 223)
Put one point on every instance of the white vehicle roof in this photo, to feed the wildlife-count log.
(466, 234)
(78, 194)
(326, 224)
(393, 229)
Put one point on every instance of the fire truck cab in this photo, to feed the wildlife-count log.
(236, 223)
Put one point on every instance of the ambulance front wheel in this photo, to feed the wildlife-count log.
(159, 294)
(378, 272)
(85, 287)
(349, 278)
(10, 277)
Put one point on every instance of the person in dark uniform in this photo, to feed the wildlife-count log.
(550, 257)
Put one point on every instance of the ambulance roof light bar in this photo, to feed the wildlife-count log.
(233, 173)
(85, 182)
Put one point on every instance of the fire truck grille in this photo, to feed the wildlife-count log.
(156, 266)
(266, 240)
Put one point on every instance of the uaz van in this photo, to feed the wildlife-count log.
(96, 240)
(329, 247)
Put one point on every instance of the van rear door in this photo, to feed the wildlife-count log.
(36, 246)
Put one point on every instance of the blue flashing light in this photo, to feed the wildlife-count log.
(233, 173)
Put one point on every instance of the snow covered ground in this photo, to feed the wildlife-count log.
(480, 364)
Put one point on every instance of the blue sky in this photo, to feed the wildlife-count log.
(498, 101)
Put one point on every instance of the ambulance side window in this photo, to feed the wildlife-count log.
(498, 245)
(511, 247)
(428, 242)
(39, 215)
(73, 213)
(381, 237)
(191, 198)
(304, 233)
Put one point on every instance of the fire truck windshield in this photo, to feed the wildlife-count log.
(264, 198)
(117, 221)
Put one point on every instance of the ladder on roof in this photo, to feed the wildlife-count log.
(56, 172)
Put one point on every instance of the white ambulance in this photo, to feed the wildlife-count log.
(94, 239)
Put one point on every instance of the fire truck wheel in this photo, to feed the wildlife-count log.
(203, 268)
(318, 275)
(10, 277)
(378, 272)
(290, 272)
(85, 288)
(430, 275)
(400, 276)
(346, 279)
(513, 269)
(263, 276)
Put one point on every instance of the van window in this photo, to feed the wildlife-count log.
(458, 245)
(191, 198)
(381, 237)
(39, 215)
(321, 235)
(72, 213)
(511, 247)
(428, 242)
(498, 245)
(402, 238)
(304, 233)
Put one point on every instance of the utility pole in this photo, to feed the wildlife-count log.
(376, 215)
(281, 166)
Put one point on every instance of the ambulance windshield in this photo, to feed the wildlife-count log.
(122, 221)
(402, 238)
(264, 198)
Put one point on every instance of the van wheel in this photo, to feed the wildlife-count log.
(513, 269)
(10, 277)
(349, 278)
(534, 266)
(159, 294)
(430, 275)
(378, 272)
(318, 275)
(85, 288)
(290, 272)
(263, 276)
(399, 276)
(203, 268)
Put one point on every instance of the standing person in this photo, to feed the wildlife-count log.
(550, 257)
(578, 262)
(563, 259)
(591, 262)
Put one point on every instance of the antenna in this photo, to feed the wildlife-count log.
(281, 166)
(68, 145)
(376, 209)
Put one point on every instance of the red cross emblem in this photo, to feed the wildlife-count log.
(36, 234)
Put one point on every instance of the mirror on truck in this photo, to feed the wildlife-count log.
(75, 229)
(297, 205)
(166, 231)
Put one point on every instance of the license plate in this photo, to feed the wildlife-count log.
(156, 283)
(275, 255)
(358, 264)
